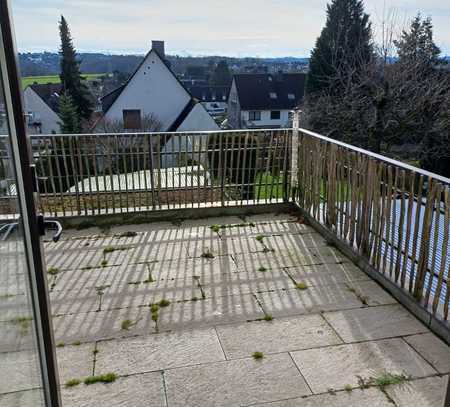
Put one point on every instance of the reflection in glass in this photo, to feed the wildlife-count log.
(20, 373)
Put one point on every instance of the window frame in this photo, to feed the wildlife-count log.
(278, 113)
(127, 121)
(254, 115)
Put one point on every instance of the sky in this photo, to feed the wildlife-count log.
(264, 28)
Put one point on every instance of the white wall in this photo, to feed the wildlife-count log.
(41, 111)
(265, 119)
(153, 90)
(197, 119)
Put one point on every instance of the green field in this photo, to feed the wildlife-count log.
(29, 80)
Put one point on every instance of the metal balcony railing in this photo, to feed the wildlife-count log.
(120, 173)
(393, 216)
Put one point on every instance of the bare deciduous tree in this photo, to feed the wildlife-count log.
(149, 123)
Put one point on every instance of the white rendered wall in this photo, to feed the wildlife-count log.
(154, 90)
(265, 119)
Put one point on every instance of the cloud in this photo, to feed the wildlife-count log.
(251, 27)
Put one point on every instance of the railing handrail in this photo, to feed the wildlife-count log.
(377, 156)
(149, 133)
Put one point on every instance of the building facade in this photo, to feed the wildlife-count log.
(258, 101)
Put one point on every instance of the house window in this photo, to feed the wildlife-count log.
(131, 119)
(275, 115)
(291, 96)
(273, 95)
(254, 115)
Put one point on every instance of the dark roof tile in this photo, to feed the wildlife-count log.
(255, 90)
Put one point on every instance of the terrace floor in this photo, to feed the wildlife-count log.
(177, 311)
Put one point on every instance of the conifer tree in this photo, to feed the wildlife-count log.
(344, 45)
(419, 56)
(71, 78)
(70, 122)
(416, 45)
(221, 75)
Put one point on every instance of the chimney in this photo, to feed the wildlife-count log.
(158, 46)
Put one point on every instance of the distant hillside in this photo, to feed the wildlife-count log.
(47, 63)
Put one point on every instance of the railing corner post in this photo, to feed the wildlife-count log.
(294, 152)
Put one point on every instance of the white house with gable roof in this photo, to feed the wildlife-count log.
(153, 91)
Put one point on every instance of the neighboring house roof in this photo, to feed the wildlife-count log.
(109, 99)
(49, 93)
(257, 91)
(182, 116)
(206, 93)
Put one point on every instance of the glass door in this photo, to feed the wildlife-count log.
(27, 361)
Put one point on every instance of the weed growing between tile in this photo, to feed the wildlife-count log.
(257, 355)
(104, 378)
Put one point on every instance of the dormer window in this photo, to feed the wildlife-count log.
(291, 96)
(273, 95)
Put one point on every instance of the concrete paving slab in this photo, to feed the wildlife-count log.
(132, 391)
(159, 351)
(277, 218)
(312, 255)
(140, 293)
(311, 300)
(206, 222)
(12, 284)
(19, 371)
(79, 280)
(27, 398)
(177, 268)
(214, 245)
(252, 261)
(338, 366)
(75, 361)
(253, 281)
(186, 268)
(296, 241)
(15, 336)
(290, 258)
(357, 398)
(371, 293)
(72, 260)
(325, 274)
(158, 251)
(214, 311)
(428, 392)
(84, 243)
(250, 228)
(432, 349)
(74, 301)
(13, 306)
(374, 323)
(94, 326)
(234, 383)
(278, 335)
